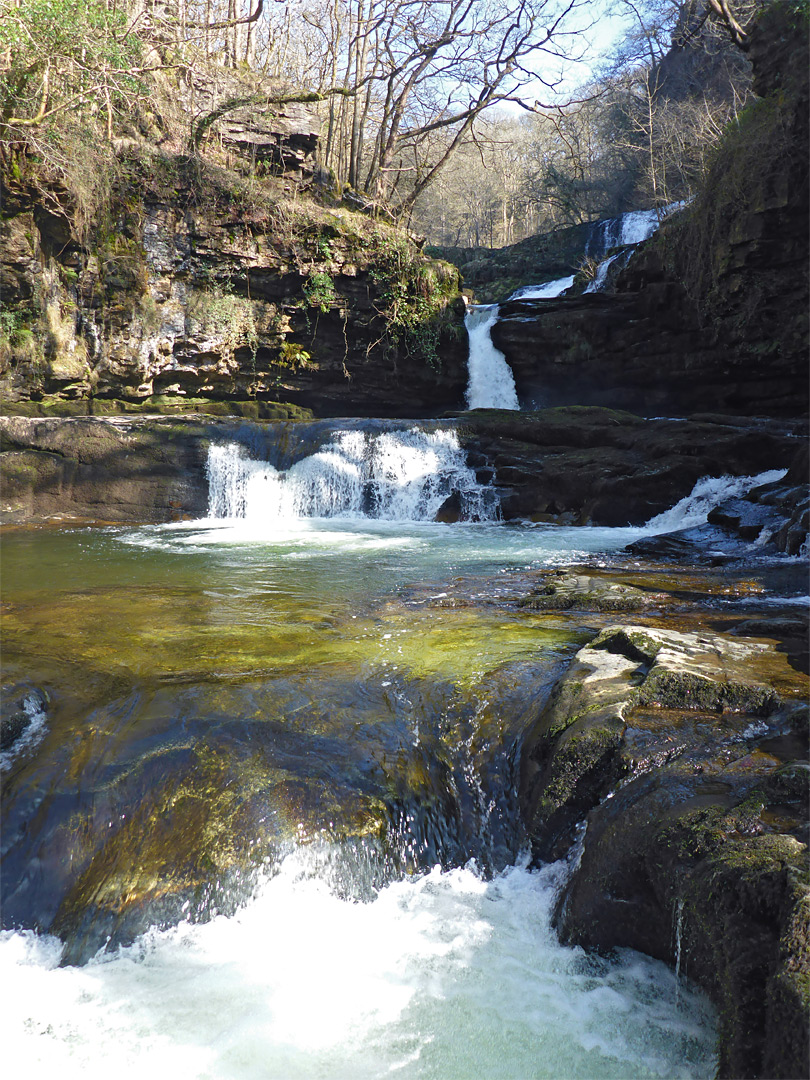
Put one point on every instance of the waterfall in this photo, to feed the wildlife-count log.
(544, 292)
(601, 273)
(405, 475)
(710, 491)
(491, 382)
(630, 228)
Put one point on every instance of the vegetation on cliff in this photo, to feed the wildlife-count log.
(143, 265)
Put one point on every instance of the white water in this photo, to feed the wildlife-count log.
(491, 383)
(441, 976)
(406, 476)
(445, 976)
(395, 476)
(35, 731)
(628, 229)
(705, 495)
(601, 274)
(544, 292)
(631, 228)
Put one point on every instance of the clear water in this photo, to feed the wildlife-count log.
(228, 707)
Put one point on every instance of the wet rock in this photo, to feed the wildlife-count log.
(581, 592)
(705, 544)
(108, 470)
(699, 854)
(22, 718)
(450, 510)
(577, 750)
(584, 465)
(777, 513)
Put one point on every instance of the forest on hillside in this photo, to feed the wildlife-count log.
(474, 122)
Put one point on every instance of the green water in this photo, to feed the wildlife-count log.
(213, 694)
(253, 749)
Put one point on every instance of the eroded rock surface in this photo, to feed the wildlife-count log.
(687, 752)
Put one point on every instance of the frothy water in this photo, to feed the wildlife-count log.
(706, 494)
(445, 975)
(544, 292)
(491, 383)
(35, 719)
(631, 228)
(600, 277)
(390, 476)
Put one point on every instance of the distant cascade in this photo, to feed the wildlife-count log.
(405, 475)
(631, 228)
(544, 292)
(491, 383)
(600, 277)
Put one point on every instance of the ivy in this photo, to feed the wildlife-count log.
(413, 297)
(320, 290)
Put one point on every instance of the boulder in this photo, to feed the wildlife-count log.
(686, 755)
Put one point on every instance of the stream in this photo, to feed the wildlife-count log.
(264, 821)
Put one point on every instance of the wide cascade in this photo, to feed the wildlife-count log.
(491, 382)
(398, 475)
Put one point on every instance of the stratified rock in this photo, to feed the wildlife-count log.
(571, 466)
(231, 302)
(580, 465)
(104, 470)
(690, 753)
(713, 311)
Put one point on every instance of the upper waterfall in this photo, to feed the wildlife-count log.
(631, 228)
(547, 291)
(399, 475)
(491, 382)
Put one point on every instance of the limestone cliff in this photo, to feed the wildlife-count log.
(206, 280)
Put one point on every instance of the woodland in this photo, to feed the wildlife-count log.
(299, 630)
(474, 122)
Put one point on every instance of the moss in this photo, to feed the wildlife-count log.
(573, 763)
(683, 690)
(632, 643)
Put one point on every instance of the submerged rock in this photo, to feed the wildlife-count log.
(565, 591)
(688, 753)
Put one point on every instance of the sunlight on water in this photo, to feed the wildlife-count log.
(213, 690)
(444, 976)
(395, 476)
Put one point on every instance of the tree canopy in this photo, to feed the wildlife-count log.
(420, 100)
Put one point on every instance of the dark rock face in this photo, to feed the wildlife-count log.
(492, 273)
(582, 465)
(699, 855)
(712, 313)
(781, 508)
(566, 465)
(84, 468)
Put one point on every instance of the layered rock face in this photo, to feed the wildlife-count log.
(713, 312)
(582, 465)
(198, 290)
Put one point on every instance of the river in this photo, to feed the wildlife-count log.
(268, 803)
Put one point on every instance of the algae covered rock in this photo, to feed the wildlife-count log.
(566, 591)
(686, 754)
